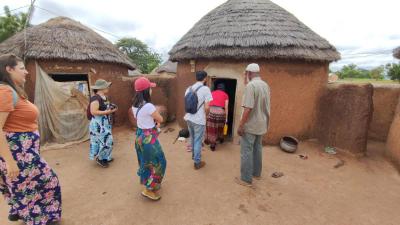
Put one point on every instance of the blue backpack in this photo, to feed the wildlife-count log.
(192, 101)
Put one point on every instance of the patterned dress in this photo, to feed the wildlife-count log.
(152, 163)
(101, 139)
(35, 195)
(215, 125)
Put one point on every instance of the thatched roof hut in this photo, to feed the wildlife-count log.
(396, 53)
(167, 67)
(72, 53)
(252, 29)
(66, 39)
(294, 60)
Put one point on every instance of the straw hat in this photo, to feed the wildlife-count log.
(101, 84)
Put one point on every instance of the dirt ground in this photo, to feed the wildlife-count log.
(362, 192)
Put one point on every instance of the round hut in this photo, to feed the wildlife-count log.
(294, 61)
(396, 53)
(167, 68)
(71, 52)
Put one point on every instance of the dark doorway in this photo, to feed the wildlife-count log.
(230, 86)
(69, 77)
(79, 81)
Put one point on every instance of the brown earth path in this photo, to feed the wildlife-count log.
(362, 192)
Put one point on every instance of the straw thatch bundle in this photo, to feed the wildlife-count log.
(252, 29)
(396, 53)
(168, 67)
(64, 38)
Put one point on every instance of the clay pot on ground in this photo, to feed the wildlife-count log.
(161, 109)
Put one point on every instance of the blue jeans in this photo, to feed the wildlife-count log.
(251, 156)
(196, 137)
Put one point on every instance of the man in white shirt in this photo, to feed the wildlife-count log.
(197, 122)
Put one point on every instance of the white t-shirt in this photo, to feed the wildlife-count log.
(145, 120)
(203, 96)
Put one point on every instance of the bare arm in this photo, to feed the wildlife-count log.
(226, 110)
(245, 116)
(94, 109)
(243, 121)
(157, 117)
(207, 107)
(5, 152)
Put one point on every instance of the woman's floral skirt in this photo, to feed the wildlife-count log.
(152, 163)
(101, 139)
(35, 195)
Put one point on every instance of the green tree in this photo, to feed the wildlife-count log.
(140, 53)
(393, 71)
(377, 73)
(11, 23)
(352, 71)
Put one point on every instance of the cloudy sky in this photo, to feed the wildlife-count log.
(365, 32)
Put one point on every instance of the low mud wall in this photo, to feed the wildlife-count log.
(345, 112)
(162, 95)
(385, 99)
(393, 140)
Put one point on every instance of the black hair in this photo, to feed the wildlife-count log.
(221, 86)
(200, 75)
(141, 98)
(5, 78)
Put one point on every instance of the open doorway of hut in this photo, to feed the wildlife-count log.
(230, 88)
(78, 81)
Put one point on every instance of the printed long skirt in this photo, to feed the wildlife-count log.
(215, 125)
(152, 163)
(101, 139)
(35, 195)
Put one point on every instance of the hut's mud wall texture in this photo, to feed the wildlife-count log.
(295, 90)
(162, 95)
(393, 140)
(385, 99)
(344, 116)
(120, 92)
(185, 78)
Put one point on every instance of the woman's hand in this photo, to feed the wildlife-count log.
(114, 110)
(12, 169)
(5, 152)
(110, 111)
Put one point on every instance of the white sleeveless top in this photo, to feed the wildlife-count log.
(145, 120)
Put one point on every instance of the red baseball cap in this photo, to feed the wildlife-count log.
(143, 83)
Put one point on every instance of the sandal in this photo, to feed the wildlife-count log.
(151, 195)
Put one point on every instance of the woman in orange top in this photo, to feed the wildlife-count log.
(27, 182)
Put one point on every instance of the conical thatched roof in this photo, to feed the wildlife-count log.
(64, 38)
(396, 53)
(252, 29)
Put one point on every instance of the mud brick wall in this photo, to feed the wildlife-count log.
(162, 95)
(120, 91)
(393, 140)
(386, 97)
(345, 112)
